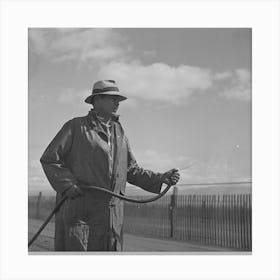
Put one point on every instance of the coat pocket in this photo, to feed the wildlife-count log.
(73, 210)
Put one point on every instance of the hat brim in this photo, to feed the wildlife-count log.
(89, 98)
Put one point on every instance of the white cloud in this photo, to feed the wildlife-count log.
(222, 75)
(157, 81)
(200, 171)
(61, 44)
(108, 51)
(37, 41)
(130, 103)
(38, 183)
(36, 177)
(81, 39)
(160, 162)
(102, 53)
(238, 86)
(243, 75)
(162, 82)
(36, 99)
(34, 164)
(238, 92)
(74, 96)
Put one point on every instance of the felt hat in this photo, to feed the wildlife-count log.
(105, 87)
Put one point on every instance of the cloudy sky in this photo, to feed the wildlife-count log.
(189, 95)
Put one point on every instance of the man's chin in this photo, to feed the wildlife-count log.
(114, 113)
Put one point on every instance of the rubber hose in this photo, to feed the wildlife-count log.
(125, 198)
(64, 198)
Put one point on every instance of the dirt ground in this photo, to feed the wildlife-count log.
(44, 243)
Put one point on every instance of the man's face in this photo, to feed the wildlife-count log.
(108, 104)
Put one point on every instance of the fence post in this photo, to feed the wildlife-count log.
(38, 205)
(172, 207)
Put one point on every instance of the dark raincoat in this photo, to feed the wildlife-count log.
(80, 155)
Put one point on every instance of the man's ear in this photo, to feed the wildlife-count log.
(94, 100)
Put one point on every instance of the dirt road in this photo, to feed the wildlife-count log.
(132, 243)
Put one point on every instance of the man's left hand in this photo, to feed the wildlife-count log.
(171, 177)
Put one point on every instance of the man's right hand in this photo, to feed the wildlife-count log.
(74, 192)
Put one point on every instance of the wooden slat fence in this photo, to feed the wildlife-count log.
(206, 219)
(216, 220)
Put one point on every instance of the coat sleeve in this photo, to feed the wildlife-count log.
(53, 160)
(143, 178)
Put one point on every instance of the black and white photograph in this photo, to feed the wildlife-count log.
(146, 145)
(139, 140)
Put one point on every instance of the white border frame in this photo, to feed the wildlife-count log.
(17, 16)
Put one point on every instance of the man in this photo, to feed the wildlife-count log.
(94, 151)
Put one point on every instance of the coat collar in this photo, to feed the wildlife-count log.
(94, 119)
